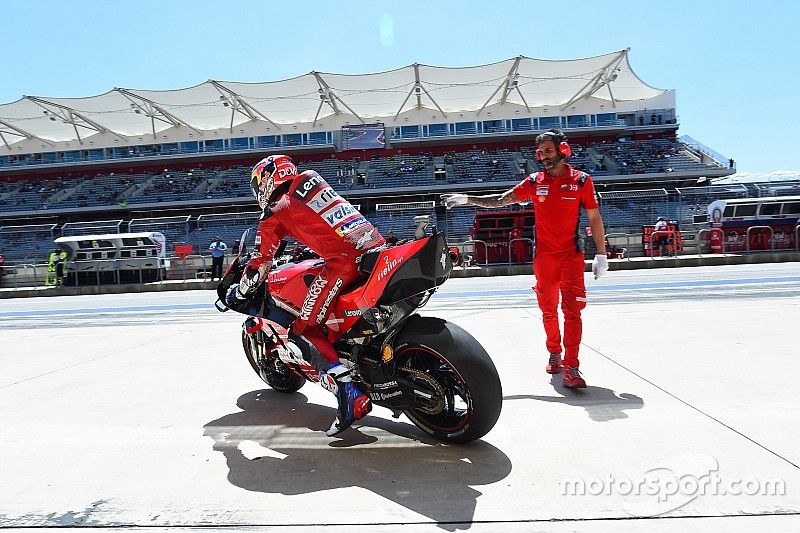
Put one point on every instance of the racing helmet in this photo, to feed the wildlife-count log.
(269, 174)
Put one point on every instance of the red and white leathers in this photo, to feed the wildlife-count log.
(559, 263)
(313, 213)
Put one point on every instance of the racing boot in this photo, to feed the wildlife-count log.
(353, 404)
(554, 364)
(572, 378)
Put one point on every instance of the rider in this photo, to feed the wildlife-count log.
(307, 208)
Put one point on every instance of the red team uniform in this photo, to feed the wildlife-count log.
(559, 261)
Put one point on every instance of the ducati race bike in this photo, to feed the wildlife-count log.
(427, 368)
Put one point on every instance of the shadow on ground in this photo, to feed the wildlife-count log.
(601, 404)
(266, 453)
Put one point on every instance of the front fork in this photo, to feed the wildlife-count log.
(293, 350)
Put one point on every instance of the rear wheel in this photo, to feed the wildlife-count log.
(269, 367)
(460, 395)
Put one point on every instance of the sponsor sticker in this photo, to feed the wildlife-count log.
(311, 298)
(323, 199)
(339, 213)
(308, 184)
(351, 225)
(331, 294)
(542, 191)
(389, 266)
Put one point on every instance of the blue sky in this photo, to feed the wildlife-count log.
(734, 64)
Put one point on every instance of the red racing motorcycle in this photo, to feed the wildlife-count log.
(427, 368)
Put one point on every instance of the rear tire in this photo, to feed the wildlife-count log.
(269, 368)
(442, 354)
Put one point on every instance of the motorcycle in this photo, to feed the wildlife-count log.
(427, 368)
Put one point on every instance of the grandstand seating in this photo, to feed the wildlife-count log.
(413, 170)
(175, 229)
(228, 226)
(622, 211)
(27, 244)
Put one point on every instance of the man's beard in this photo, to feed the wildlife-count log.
(550, 164)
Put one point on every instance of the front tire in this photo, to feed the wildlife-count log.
(444, 358)
(269, 368)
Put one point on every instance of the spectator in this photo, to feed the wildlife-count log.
(391, 238)
(662, 239)
(218, 249)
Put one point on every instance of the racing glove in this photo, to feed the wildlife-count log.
(254, 274)
(599, 265)
(454, 200)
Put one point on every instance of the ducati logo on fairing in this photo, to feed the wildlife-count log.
(311, 298)
(443, 260)
(352, 312)
(389, 266)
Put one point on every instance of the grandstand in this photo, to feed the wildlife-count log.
(178, 161)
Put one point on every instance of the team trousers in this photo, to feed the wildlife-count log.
(561, 272)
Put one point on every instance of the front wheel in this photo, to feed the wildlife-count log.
(463, 395)
(269, 367)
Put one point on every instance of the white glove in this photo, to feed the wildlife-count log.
(599, 265)
(454, 200)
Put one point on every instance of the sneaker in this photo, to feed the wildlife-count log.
(572, 378)
(554, 364)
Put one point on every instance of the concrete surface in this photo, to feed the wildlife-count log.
(139, 411)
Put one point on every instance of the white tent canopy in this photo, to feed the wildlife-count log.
(759, 177)
(519, 83)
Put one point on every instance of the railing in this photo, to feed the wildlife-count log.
(669, 232)
(13, 271)
(709, 231)
(771, 239)
(510, 248)
(627, 237)
(183, 264)
(797, 238)
(472, 242)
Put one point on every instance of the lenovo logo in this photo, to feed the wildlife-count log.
(308, 184)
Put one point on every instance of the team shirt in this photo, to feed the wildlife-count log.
(556, 207)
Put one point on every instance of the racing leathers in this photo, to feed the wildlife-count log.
(312, 212)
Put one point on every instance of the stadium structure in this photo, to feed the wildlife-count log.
(178, 161)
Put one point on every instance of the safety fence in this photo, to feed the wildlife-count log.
(471, 253)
